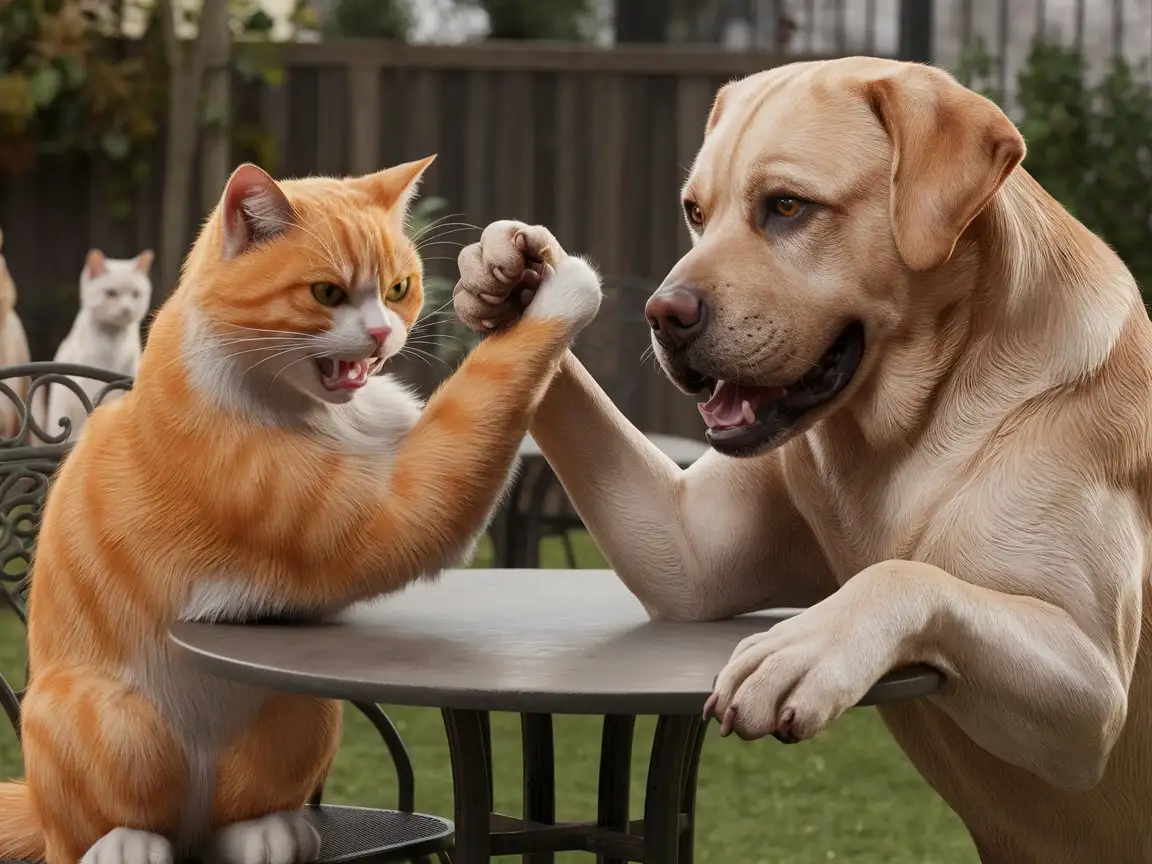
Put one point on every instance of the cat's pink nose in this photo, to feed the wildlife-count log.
(379, 334)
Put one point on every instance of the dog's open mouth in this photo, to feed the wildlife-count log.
(743, 418)
(336, 374)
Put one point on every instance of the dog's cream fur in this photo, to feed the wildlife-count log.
(977, 498)
(13, 350)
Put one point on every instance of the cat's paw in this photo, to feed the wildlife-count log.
(502, 274)
(129, 846)
(279, 838)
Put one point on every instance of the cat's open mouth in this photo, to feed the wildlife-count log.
(347, 374)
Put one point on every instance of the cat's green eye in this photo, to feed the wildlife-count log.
(327, 294)
(399, 290)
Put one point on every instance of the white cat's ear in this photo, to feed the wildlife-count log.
(143, 261)
(395, 187)
(94, 264)
(253, 208)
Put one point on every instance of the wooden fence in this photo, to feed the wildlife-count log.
(594, 143)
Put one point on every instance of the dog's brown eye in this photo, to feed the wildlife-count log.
(695, 214)
(787, 207)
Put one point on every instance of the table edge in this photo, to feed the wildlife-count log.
(683, 703)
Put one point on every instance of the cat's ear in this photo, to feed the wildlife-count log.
(395, 187)
(94, 264)
(143, 261)
(253, 208)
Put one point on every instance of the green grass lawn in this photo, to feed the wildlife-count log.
(850, 795)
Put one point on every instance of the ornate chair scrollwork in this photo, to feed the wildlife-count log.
(28, 462)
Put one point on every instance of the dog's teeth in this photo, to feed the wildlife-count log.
(747, 412)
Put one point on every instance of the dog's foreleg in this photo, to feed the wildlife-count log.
(1032, 683)
(718, 539)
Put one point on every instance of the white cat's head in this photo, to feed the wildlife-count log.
(116, 291)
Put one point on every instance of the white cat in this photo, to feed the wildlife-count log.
(114, 298)
(13, 350)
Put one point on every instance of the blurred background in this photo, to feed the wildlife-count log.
(121, 119)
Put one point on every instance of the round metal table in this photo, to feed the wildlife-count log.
(522, 522)
(538, 643)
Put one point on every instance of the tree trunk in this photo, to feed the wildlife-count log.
(185, 75)
(216, 133)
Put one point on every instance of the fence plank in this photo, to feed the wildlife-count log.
(364, 116)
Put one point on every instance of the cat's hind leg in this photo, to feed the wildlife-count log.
(278, 838)
(103, 769)
(265, 777)
(129, 846)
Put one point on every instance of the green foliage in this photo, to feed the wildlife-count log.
(367, 19)
(536, 19)
(69, 86)
(452, 339)
(1088, 142)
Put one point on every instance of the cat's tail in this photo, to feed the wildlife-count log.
(20, 836)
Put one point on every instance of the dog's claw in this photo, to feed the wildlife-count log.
(501, 276)
(491, 299)
(710, 707)
(729, 722)
(783, 732)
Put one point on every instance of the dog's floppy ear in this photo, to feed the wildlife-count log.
(951, 150)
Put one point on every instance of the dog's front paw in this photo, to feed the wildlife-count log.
(793, 680)
(279, 838)
(129, 846)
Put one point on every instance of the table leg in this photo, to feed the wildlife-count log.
(668, 770)
(470, 754)
(615, 777)
(539, 777)
(688, 807)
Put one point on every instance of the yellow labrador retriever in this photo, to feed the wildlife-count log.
(939, 387)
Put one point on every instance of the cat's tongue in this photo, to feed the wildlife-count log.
(735, 405)
(344, 374)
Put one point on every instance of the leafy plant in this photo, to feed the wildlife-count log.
(69, 85)
(368, 19)
(533, 19)
(452, 339)
(1088, 142)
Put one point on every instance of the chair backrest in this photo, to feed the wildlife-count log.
(29, 459)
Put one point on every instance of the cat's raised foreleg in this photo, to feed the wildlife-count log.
(449, 471)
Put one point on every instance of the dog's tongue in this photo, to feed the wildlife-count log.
(736, 405)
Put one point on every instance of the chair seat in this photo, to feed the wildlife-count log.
(362, 835)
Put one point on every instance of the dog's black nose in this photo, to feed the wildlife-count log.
(676, 315)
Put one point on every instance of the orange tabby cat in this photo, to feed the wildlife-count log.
(260, 467)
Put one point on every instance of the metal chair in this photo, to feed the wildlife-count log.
(28, 461)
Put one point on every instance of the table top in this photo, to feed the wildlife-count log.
(682, 451)
(547, 641)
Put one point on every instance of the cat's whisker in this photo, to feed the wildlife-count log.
(442, 222)
(443, 231)
(416, 352)
(286, 366)
(222, 323)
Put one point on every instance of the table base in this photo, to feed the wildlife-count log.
(664, 836)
